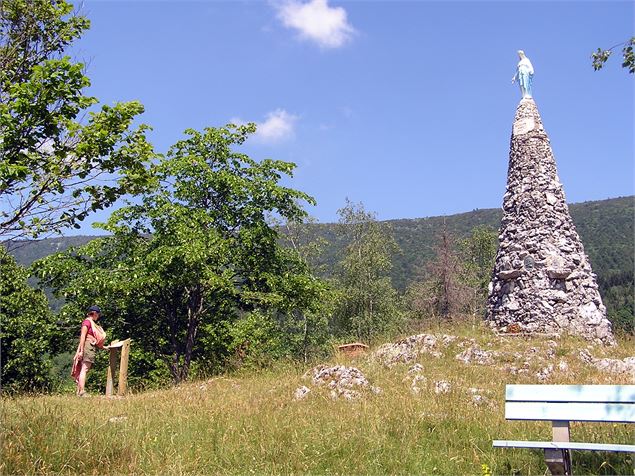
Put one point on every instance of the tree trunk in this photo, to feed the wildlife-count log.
(194, 310)
(174, 344)
(305, 338)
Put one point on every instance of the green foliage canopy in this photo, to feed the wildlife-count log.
(195, 254)
(27, 330)
(478, 253)
(61, 158)
(368, 304)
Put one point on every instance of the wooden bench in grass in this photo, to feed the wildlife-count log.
(562, 404)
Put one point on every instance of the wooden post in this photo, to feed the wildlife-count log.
(122, 385)
(123, 368)
(559, 461)
(112, 367)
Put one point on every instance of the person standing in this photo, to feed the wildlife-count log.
(91, 337)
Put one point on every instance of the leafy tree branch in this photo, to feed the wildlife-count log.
(600, 57)
(61, 157)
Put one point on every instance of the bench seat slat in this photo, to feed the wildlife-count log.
(571, 393)
(609, 412)
(563, 445)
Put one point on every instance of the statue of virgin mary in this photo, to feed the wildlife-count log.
(524, 75)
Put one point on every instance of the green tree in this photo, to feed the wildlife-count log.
(421, 299)
(196, 255)
(27, 330)
(300, 237)
(600, 57)
(303, 237)
(61, 157)
(368, 304)
(478, 253)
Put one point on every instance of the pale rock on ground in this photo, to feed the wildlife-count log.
(414, 387)
(544, 373)
(301, 392)
(478, 398)
(407, 350)
(415, 369)
(442, 386)
(345, 393)
(476, 355)
(117, 419)
(616, 366)
(343, 382)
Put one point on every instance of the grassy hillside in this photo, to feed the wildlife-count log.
(249, 422)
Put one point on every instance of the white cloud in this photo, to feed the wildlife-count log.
(278, 126)
(316, 21)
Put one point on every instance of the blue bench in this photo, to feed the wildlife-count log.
(562, 404)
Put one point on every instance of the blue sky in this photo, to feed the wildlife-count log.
(405, 106)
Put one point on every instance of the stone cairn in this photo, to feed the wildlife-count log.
(542, 280)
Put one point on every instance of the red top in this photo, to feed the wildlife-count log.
(90, 328)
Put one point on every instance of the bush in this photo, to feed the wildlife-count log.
(27, 331)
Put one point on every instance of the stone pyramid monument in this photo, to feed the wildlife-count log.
(542, 280)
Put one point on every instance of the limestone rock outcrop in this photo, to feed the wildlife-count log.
(343, 382)
(542, 280)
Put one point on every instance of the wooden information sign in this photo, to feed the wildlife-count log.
(122, 348)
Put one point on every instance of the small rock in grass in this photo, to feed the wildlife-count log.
(442, 386)
(117, 419)
(344, 393)
(375, 390)
(476, 355)
(340, 380)
(416, 368)
(477, 399)
(408, 349)
(544, 373)
(301, 392)
(349, 394)
(414, 388)
(615, 366)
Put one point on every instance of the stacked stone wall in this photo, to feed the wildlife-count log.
(542, 280)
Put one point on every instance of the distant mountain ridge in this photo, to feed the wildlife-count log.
(606, 227)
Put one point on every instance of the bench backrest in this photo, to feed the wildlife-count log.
(605, 403)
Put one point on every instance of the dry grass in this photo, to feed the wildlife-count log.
(249, 423)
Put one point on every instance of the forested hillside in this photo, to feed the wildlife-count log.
(606, 228)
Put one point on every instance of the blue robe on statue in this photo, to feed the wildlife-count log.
(524, 76)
